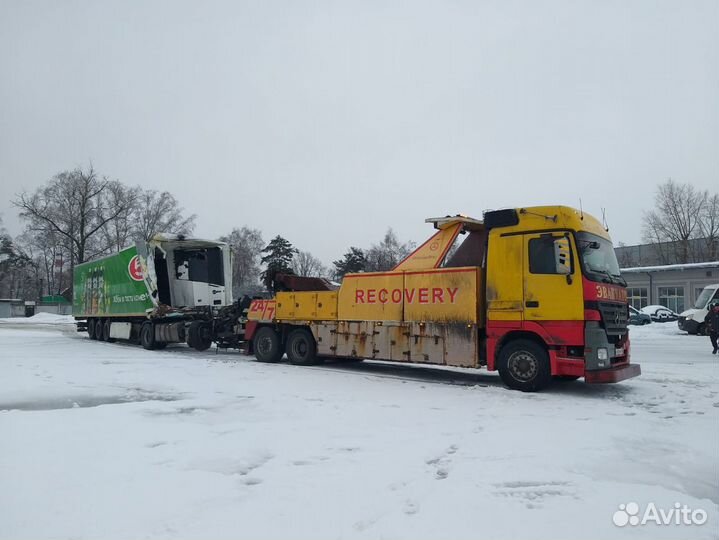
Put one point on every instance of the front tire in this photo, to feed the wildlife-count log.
(267, 345)
(301, 348)
(524, 365)
(198, 336)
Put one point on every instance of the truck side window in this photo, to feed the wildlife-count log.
(541, 255)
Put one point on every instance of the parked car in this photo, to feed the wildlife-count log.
(660, 313)
(637, 317)
(692, 320)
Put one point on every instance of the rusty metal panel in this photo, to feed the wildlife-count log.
(461, 345)
(444, 295)
(426, 343)
(371, 297)
(355, 339)
(325, 335)
(390, 341)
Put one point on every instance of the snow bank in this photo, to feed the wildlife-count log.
(40, 318)
(112, 441)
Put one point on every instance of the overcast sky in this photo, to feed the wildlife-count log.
(328, 122)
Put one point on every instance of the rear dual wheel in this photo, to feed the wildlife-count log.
(147, 338)
(91, 329)
(300, 346)
(267, 345)
(106, 332)
(99, 329)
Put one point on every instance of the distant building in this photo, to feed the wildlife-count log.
(676, 286)
(696, 250)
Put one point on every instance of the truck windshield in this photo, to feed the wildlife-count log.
(704, 298)
(598, 258)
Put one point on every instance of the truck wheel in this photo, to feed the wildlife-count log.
(147, 336)
(267, 345)
(524, 365)
(198, 336)
(301, 348)
(100, 330)
(91, 329)
(701, 330)
(106, 332)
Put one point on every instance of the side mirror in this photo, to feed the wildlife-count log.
(562, 256)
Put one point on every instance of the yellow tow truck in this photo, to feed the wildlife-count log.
(534, 293)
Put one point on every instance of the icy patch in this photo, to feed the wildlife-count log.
(81, 402)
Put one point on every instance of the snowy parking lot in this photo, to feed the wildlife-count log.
(102, 440)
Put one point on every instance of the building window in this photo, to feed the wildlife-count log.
(672, 297)
(638, 297)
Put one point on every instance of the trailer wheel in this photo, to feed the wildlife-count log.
(524, 365)
(267, 345)
(198, 336)
(100, 330)
(301, 348)
(91, 329)
(106, 332)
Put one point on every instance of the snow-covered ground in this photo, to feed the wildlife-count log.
(102, 440)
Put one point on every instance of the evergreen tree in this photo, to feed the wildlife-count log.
(352, 262)
(278, 259)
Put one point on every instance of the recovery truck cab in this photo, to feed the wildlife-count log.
(534, 293)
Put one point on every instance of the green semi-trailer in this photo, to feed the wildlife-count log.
(168, 290)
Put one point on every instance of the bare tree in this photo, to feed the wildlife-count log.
(160, 213)
(709, 228)
(307, 265)
(246, 246)
(674, 221)
(118, 233)
(71, 205)
(388, 253)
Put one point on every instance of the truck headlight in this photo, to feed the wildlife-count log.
(602, 353)
(690, 317)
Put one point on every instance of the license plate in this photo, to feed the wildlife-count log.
(618, 351)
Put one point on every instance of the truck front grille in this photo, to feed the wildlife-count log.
(614, 318)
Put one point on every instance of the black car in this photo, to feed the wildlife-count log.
(637, 317)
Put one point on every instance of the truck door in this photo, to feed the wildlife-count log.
(552, 280)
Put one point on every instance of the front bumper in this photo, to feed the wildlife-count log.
(688, 325)
(612, 375)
